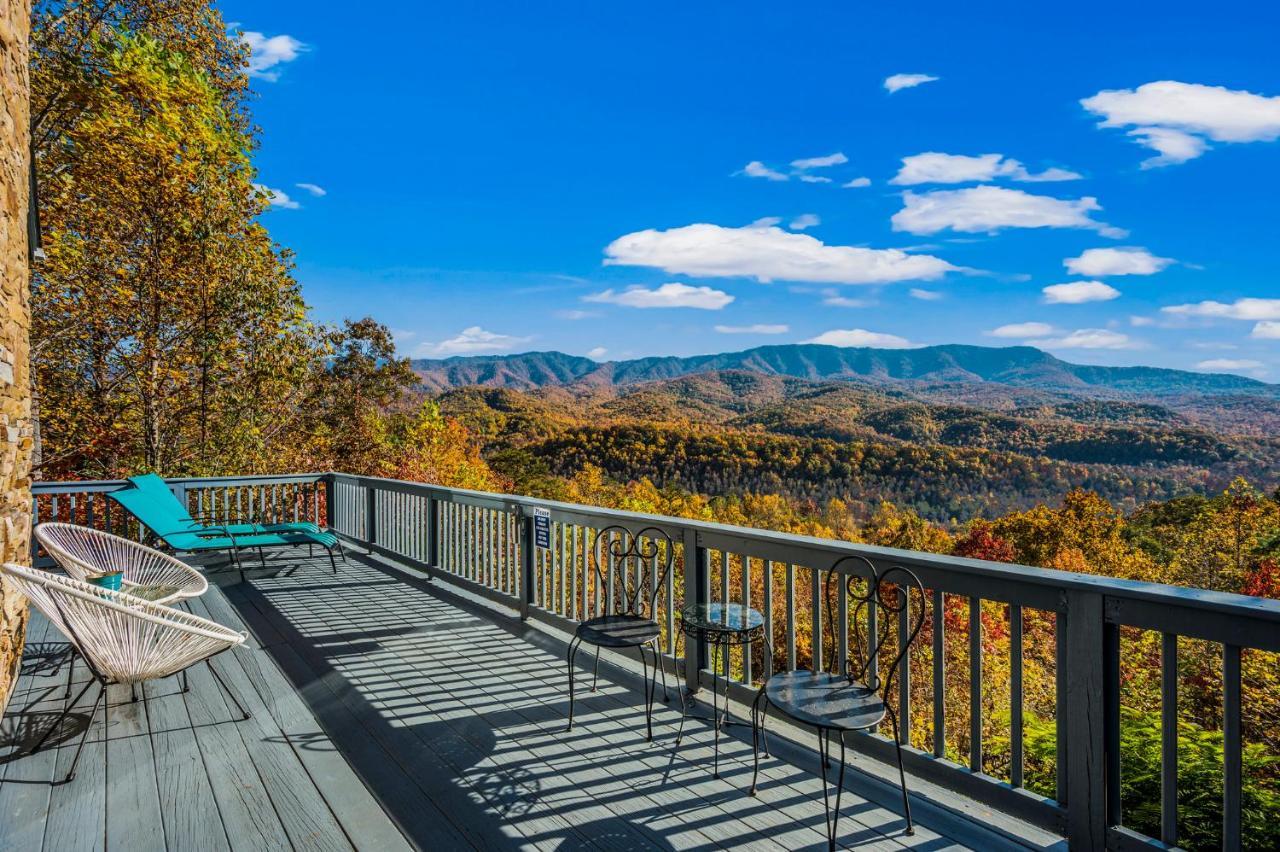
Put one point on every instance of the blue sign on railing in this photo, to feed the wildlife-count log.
(542, 528)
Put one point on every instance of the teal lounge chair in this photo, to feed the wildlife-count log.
(169, 521)
(159, 490)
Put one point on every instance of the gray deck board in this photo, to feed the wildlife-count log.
(389, 713)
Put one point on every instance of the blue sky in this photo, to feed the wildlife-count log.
(688, 178)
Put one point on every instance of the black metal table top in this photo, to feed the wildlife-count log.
(722, 623)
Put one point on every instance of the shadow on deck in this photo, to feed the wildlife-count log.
(388, 711)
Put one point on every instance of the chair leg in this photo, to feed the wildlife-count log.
(649, 683)
(657, 657)
(71, 671)
(902, 776)
(262, 557)
(244, 714)
(832, 818)
(57, 723)
(595, 677)
(186, 685)
(757, 728)
(133, 693)
(574, 645)
(102, 693)
(333, 562)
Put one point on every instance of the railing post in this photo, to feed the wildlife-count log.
(371, 516)
(433, 531)
(330, 508)
(697, 579)
(1086, 713)
(179, 490)
(528, 551)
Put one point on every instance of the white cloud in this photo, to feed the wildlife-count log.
(574, 314)
(986, 209)
(266, 53)
(768, 254)
(862, 337)
(805, 220)
(597, 353)
(757, 169)
(472, 341)
(1175, 119)
(924, 295)
(1022, 330)
(857, 183)
(277, 197)
(1128, 260)
(1266, 330)
(935, 167)
(1240, 309)
(315, 190)
(897, 82)
(1090, 338)
(1229, 365)
(670, 295)
(814, 179)
(1141, 322)
(758, 328)
(766, 222)
(835, 159)
(1079, 292)
(833, 299)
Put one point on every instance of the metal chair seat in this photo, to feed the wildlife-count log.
(618, 631)
(825, 700)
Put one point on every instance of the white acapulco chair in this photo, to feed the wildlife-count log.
(122, 638)
(147, 573)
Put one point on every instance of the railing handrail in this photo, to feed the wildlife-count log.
(1262, 609)
(94, 486)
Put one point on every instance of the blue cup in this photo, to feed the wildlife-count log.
(110, 581)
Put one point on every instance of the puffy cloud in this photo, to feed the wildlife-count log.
(833, 299)
(758, 328)
(1229, 365)
(597, 353)
(1240, 309)
(986, 209)
(267, 53)
(835, 159)
(805, 220)
(277, 197)
(813, 178)
(856, 183)
(862, 337)
(315, 190)
(1022, 330)
(935, 167)
(1079, 292)
(1128, 260)
(1175, 119)
(924, 295)
(575, 314)
(670, 295)
(897, 82)
(1090, 338)
(1266, 330)
(472, 341)
(757, 169)
(768, 254)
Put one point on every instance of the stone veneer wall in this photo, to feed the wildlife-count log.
(15, 376)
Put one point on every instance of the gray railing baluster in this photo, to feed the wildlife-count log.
(841, 626)
(904, 672)
(746, 602)
(815, 619)
(1233, 768)
(1111, 732)
(724, 599)
(1062, 794)
(767, 650)
(791, 616)
(1015, 695)
(975, 684)
(939, 675)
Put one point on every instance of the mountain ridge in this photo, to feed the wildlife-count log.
(1016, 366)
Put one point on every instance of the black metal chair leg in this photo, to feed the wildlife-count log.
(832, 818)
(333, 562)
(657, 656)
(757, 728)
(71, 671)
(595, 677)
(902, 776)
(186, 685)
(571, 655)
(244, 714)
(102, 692)
(648, 681)
(57, 723)
(133, 693)
(262, 557)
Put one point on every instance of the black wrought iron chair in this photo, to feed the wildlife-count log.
(856, 699)
(630, 569)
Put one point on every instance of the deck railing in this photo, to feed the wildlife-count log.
(488, 544)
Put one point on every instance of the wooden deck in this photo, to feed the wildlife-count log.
(389, 712)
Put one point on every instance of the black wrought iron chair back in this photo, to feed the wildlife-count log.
(630, 569)
(881, 605)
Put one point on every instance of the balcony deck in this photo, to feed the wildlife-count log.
(391, 712)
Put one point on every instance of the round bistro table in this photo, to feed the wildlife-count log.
(721, 626)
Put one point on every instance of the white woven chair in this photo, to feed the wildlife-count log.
(148, 573)
(122, 638)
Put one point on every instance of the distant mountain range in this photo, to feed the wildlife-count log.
(1022, 367)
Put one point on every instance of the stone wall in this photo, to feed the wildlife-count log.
(15, 377)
